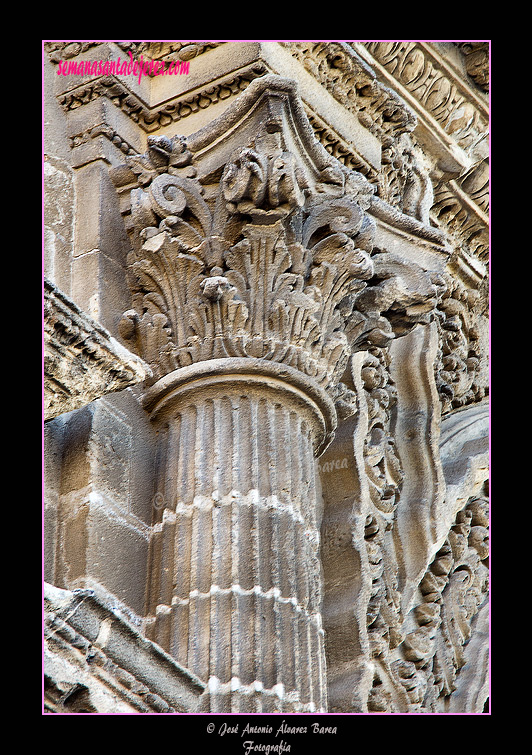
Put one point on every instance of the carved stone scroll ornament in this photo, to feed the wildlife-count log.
(252, 281)
(460, 352)
(441, 655)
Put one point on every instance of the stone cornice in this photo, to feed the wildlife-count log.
(343, 151)
(450, 109)
(342, 68)
(167, 51)
(466, 222)
(82, 361)
(150, 119)
(58, 51)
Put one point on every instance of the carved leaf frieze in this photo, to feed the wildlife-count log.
(441, 95)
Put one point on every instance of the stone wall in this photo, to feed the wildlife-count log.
(266, 338)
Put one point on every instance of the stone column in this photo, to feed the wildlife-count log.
(237, 591)
(249, 273)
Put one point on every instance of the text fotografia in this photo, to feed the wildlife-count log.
(138, 68)
(251, 746)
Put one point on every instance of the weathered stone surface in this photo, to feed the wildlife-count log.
(95, 660)
(290, 500)
(82, 361)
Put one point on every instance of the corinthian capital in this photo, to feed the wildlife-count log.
(250, 240)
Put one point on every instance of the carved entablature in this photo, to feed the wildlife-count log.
(152, 119)
(405, 96)
(453, 122)
(377, 107)
(250, 240)
(167, 51)
(355, 85)
(432, 127)
(57, 51)
(424, 74)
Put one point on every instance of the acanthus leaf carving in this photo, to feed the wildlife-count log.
(274, 260)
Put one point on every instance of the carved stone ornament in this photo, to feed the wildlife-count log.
(267, 464)
(266, 254)
(82, 361)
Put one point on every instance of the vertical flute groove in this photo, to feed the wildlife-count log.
(235, 602)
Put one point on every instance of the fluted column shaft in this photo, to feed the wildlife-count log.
(235, 584)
